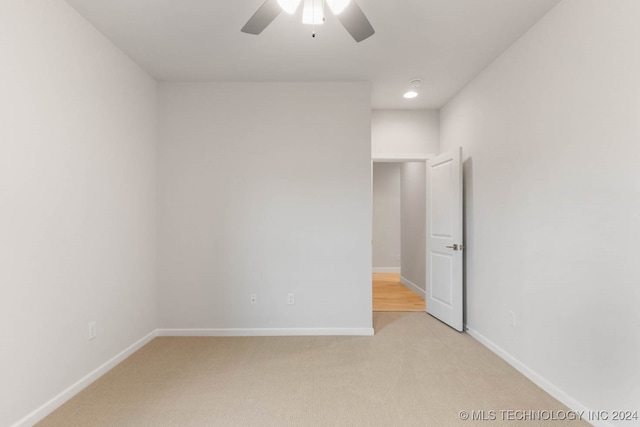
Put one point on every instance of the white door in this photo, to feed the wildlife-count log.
(444, 238)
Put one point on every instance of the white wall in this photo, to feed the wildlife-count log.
(404, 133)
(414, 221)
(77, 202)
(386, 217)
(550, 134)
(265, 188)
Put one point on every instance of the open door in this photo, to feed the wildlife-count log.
(444, 238)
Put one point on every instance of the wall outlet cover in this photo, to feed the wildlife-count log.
(93, 331)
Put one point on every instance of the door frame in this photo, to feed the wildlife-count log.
(394, 158)
(401, 157)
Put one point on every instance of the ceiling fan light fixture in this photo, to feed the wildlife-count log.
(348, 13)
(338, 6)
(289, 6)
(313, 12)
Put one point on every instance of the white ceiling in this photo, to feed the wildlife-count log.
(444, 42)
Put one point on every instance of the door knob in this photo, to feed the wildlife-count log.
(456, 247)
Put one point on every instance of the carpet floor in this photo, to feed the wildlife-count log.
(415, 371)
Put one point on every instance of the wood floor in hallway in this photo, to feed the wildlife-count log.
(391, 295)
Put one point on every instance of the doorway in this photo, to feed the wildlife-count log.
(399, 234)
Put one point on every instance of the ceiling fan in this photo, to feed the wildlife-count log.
(347, 11)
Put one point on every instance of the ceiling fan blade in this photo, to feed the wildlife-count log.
(262, 18)
(355, 22)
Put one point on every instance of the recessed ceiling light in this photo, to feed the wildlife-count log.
(413, 92)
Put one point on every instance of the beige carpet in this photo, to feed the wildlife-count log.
(414, 372)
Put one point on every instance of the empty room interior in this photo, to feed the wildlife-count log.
(193, 197)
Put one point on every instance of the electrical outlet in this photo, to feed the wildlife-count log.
(92, 330)
(512, 319)
(398, 257)
(253, 299)
(290, 299)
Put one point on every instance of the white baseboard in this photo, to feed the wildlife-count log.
(540, 381)
(264, 332)
(386, 270)
(78, 386)
(415, 288)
